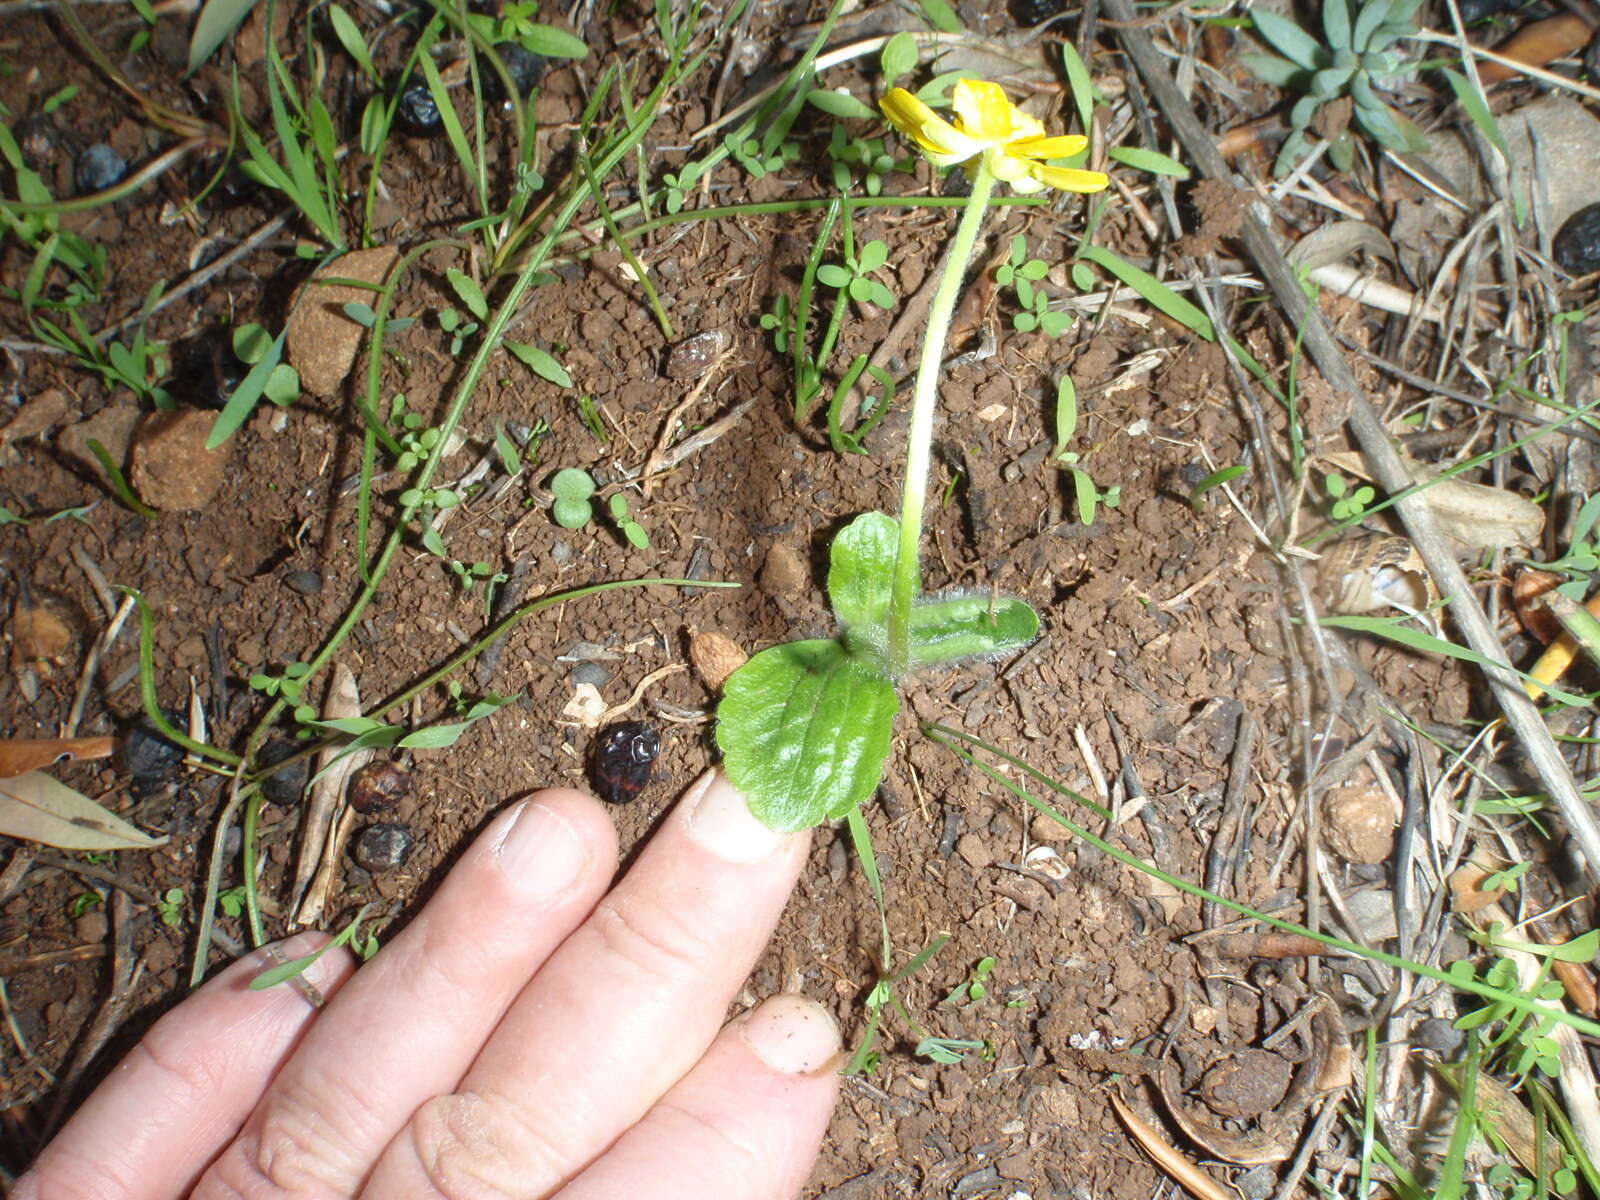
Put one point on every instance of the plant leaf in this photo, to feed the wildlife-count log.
(18, 756)
(899, 57)
(840, 104)
(541, 362)
(1153, 290)
(469, 293)
(860, 566)
(349, 35)
(947, 628)
(42, 809)
(1153, 161)
(941, 16)
(1284, 36)
(218, 19)
(552, 42)
(804, 729)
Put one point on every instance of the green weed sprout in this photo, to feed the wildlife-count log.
(1348, 502)
(1355, 62)
(805, 727)
(1021, 273)
(572, 488)
(1088, 494)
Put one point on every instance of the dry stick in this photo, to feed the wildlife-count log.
(1387, 468)
(1224, 841)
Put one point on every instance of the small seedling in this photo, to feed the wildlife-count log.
(252, 344)
(681, 184)
(589, 414)
(1089, 495)
(630, 529)
(866, 154)
(1020, 273)
(779, 323)
(950, 1051)
(231, 901)
(170, 906)
(572, 489)
(83, 902)
(288, 686)
(976, 986)
(855, 276)
(1347, 504)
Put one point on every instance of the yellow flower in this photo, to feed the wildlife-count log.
(991, 130)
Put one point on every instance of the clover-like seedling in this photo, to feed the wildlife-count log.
(572, 488)
(630, 529)
(1347, 503)
(1020, 273)
(855, 277)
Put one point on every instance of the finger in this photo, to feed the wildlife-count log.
(744, 1124)
(408, 1026)
(187, 1087)
(616, 1017)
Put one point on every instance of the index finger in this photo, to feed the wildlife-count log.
(616, 1017)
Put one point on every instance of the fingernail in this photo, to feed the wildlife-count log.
(792, 1035)
(719, 818)
(541, 852)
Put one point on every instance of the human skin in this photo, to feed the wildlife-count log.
(535, 1031)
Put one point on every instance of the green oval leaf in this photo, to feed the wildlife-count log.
(804, 730)
(572, 514)
(571, 483)
(468, 292)
(840, 104)
(552, 42)
(860, 567)
(1153, 161)
(899, 57)
(964, 626)
(541, 362)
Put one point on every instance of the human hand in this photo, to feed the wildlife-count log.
(533, 1032)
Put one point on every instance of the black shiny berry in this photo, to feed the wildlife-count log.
(283, 787)
(1577, 242)
(378, 787)
(1034, 12)
(384, 847)
(524, 66)
(416, 114)
(147, 754)
(623, 757)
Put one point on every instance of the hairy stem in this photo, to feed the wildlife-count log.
(919, 447)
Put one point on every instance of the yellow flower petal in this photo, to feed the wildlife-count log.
(1068, 180)
(905, 112)
(985, 113)
(1051, 147)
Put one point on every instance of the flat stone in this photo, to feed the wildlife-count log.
(322, 341)
(112, 427)
(172, 469)
(1568, 140)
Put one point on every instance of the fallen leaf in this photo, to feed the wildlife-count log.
(41, 809)
(18, 756)
(38, 631)
(1536, 44)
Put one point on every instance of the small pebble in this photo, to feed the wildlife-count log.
(1577, 242)
(384, 847)
(99, 167)
(591, 673)
(147, 754)
(307, 583)
(524, 66)
(378, 787)
(691, 358)
(285, 787)
(416, 114)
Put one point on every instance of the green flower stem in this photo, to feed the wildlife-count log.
(924, 399)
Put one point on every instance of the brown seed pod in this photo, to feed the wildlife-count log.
(384, 847)
(379, 787)
(715, 656)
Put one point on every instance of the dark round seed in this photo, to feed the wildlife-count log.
(98, 168)
(623, 758)
(284, 787)
(307, 583)
(1035, 12)
(147, 754)
(384, 847)
(1577, 242)
(524, 66)
(417, 114)
(378, 787)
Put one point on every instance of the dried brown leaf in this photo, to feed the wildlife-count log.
(18, 756)
(41, 809)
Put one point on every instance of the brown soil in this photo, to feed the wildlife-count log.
(1163, 624)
